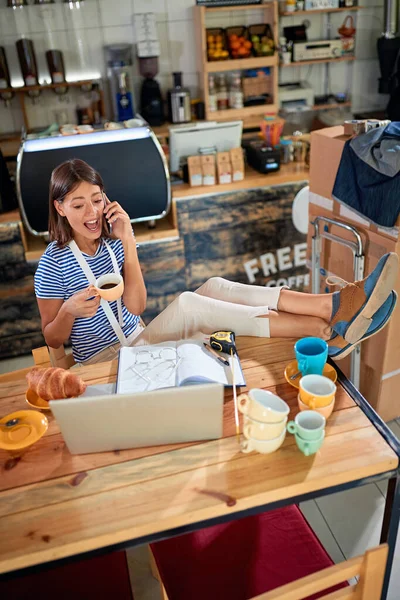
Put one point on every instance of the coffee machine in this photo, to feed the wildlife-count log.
(151, 102)
(120, 77)
(178, 101)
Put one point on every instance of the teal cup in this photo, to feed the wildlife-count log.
(308, 447)
(311, 354)
(309, 425)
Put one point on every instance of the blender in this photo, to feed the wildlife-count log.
(120, 77)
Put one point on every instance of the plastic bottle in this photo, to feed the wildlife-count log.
(212, 94)
(236, 92)
(222, 93)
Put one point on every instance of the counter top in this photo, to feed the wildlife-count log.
(288, 174)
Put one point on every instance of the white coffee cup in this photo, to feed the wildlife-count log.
(262, 405)
(116, 289)
(263, 446)
(259, 430)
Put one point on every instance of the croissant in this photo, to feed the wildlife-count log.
(54, 383)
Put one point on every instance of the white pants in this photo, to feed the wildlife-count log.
(218, 304)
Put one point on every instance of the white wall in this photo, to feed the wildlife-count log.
(82, 35)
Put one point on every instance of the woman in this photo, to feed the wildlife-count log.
(92, 236)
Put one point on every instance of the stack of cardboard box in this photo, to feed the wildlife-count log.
(380, 355)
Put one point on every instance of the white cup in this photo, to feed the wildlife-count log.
(263, 431)
(263, 446)
(262, 405)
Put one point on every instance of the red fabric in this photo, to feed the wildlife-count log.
(241, 559)
(102, 578)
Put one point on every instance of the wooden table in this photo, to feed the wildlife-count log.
(54, 505)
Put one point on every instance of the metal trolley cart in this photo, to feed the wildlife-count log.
(322, 231)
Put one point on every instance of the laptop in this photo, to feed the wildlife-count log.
(119, 421)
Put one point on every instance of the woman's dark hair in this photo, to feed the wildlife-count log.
(65, 179)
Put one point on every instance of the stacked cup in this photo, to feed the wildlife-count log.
(317, 393)
(265, 418)
(309, 431)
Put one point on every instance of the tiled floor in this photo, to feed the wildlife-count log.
(346, 523)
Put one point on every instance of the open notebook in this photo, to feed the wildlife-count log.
(186, 362)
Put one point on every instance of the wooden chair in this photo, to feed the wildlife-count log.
(57, 357)
(269, 556)
(369, 568)
(52, 357)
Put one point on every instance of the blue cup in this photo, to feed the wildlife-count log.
(311, 354)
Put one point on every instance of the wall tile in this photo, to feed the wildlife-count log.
(182, 46)
(158, 7)
(191, 81)
(87, 16)
(180, 10)
(369, 30)
(46, 18)
(115, 13)
(17, 22)
(124, 34)
(165, 82)
(164, 60)
(7, 21)
(365, 86)
(84, 56)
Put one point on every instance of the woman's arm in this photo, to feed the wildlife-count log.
(134, 288)
(135, 294)
(58, 316)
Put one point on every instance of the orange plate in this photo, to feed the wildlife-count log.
(31, 427)
(36, 401)
(292, 369)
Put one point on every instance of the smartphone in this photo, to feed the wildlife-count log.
(108, 225)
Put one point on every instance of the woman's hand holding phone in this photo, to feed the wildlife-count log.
(118, 219)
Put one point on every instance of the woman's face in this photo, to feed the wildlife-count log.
(83, 209)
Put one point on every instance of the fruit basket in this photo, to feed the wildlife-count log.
(262, 39)
(239, 44)
(216, 44)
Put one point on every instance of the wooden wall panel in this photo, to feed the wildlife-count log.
(246, 236)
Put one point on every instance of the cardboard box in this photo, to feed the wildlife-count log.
(224, 167)
(380, 355)
(208, 169)
(237, 162)
(195, 171)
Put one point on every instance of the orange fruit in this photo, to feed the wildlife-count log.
(247, 44)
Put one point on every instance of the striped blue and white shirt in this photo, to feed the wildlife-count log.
(59, 275)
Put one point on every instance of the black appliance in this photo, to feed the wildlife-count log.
(261, 157)
(179, 109)
(151, 102)
(130, 161)
(8, 199)
(388, 47)
(5, 80)
(27, 61)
